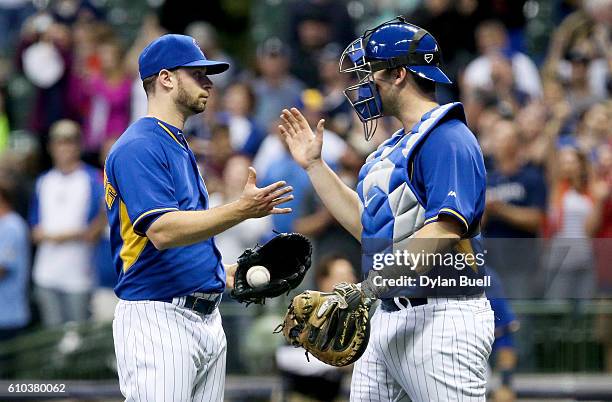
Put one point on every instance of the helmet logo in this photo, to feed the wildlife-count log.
(428, 57)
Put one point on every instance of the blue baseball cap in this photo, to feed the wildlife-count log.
(172, 51)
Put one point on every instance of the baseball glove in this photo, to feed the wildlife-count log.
(333, 327)
(286, 256)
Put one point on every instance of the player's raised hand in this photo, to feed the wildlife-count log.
(258, 202)
(304, 145)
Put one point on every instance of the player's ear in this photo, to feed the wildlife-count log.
(166, 79)
(399, 75)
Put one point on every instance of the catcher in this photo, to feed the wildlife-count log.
(420, 194)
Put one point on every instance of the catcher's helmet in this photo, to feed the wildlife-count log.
(392, 44)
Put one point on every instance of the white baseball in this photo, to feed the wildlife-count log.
(257, 276)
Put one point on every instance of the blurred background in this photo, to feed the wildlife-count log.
(534, 76)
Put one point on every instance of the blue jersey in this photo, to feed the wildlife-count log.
(151, 171)
(414, 178)
(525, 188)
(449, 176)
(440, 162)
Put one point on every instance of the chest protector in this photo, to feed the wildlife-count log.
(391, 210)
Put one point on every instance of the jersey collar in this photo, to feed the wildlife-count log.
(173, 132)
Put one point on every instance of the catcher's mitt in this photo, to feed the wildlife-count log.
(333, 327)
(286, 256)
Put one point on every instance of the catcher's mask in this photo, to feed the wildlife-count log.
(395, 43)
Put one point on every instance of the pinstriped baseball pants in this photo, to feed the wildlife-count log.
(168, 353)
(433, 352)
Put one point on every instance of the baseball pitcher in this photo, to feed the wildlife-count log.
(169, 342)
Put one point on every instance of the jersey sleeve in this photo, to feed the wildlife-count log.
(141, 175)
(451, 168)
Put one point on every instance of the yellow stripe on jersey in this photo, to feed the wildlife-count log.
(455, 213)
(458, 215)
(429, 220)
(132, 243)
(170, 132)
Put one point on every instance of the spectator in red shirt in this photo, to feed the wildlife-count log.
(599, 222)
(570, 261)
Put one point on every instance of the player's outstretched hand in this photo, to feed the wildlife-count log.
(258, 202)
(304, 145)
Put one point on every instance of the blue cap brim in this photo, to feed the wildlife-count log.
(212, 67)
(432, 73)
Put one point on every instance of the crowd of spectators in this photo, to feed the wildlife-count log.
(542, 120)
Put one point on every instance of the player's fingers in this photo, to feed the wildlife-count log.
(252, 178)
(278, 211)
(273, 187)
(282, 200)
(280, 193)
(320, 129)
(296, 117)
(291, 127)
(286, 138)
(286, 124)
(285, 134)
(291, 119)
(285, 114)
(299, 117)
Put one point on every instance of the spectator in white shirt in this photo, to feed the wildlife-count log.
(492, 41)
(65, 204)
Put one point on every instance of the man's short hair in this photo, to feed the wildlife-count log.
(424, 85)
(65, 130)
(428, 87)
(149, 84)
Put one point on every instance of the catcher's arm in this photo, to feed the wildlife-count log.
(305, 147)
(340, 200)
(436, 237)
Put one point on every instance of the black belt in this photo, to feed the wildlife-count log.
(198, 304)
(407, 302)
